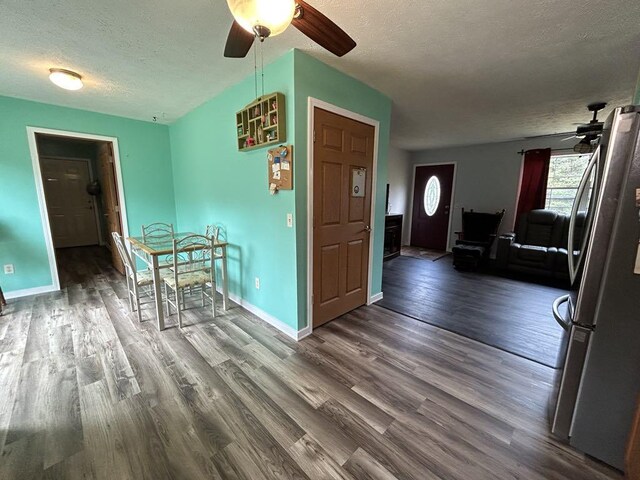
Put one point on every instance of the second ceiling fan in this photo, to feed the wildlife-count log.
(267, 18)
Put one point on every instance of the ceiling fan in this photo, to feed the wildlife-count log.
(268, 18)
(588, 132)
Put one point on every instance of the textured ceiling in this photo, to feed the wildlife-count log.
(458, 72)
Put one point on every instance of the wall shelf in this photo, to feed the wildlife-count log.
(263, 120)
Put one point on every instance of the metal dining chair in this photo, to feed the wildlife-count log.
(212, 231)
(157, 230)
(192, 269)
(160, 232)
(136, 280)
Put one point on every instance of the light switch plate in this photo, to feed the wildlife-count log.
(289, 220)
(8, 269)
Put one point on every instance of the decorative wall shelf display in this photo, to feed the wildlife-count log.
(280, 168)
(262, 122)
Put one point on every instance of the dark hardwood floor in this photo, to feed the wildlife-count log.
(506, 313)
(88, 392)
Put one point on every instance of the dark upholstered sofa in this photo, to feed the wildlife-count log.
(539, 245)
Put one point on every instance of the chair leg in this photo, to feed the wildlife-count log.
(137, 293)
(179, 309)
(129, 293)
(213, 298)
(166, 299)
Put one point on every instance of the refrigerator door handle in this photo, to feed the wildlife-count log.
(584, 182)
(565, 324)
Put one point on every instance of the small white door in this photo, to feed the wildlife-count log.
(70, 207)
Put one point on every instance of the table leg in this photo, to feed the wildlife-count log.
(157, 291)
(225, 283)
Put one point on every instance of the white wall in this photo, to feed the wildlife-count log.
(487, 176)
(400, 173)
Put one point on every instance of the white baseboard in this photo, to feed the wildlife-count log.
(270, 319)
(305, 332)
(375, 298)
(29, 291)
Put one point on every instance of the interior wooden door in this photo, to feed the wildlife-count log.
(72, 215)
(342, 175)
(110, 200)
(432, 206)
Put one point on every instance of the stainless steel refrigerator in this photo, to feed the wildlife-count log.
(598, 388)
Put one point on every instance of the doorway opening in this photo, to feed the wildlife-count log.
(81, 201)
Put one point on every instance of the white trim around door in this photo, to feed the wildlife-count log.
(451, 203)
(42, 203)
(314, 103)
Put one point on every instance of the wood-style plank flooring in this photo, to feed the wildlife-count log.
(513, 315)
(88, 392)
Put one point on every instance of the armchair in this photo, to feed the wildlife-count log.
(479, 231)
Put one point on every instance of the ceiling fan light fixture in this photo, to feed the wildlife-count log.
(270, 16)
(583, 146)
(66, 79)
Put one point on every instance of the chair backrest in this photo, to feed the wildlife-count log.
(480, 227)
(212, 231)
(122, 251)
(544, 228)
(192, 254)
(157, 230)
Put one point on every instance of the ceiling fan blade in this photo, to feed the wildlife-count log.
(239, 42)
(569, 138)
(322, 30)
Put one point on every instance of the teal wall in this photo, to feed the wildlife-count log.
(192, 174)
(146, 170)
(318, 80)
(215, 183)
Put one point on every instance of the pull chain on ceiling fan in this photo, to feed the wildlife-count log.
(268, 18)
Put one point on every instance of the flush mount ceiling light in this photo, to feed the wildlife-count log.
(265, 18)
(65, 78)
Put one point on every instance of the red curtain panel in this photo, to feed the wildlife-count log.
(533, 185)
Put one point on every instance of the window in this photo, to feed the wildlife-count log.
(431, 195)
(565, 173)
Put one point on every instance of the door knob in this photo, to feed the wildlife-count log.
(367, 228)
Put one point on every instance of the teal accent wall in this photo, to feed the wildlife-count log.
(192, 174)
(215, 183)
(146, 170)
(312, 78)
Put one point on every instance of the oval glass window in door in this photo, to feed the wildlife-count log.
(431, 195)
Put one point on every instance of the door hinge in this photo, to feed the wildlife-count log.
(116, 208)
(314, 136)
(311, 299)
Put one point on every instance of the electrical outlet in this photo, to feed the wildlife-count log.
(289, 220)
(258, 283)
(8, 269)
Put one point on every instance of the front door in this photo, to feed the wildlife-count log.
(71, 209)
(110, 206)
(342, 174)
(431, 206)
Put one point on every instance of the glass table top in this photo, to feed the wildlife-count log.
(162, 245)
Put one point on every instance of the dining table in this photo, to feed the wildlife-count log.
(151, 250)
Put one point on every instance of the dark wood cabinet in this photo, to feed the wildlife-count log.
(392, 236)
